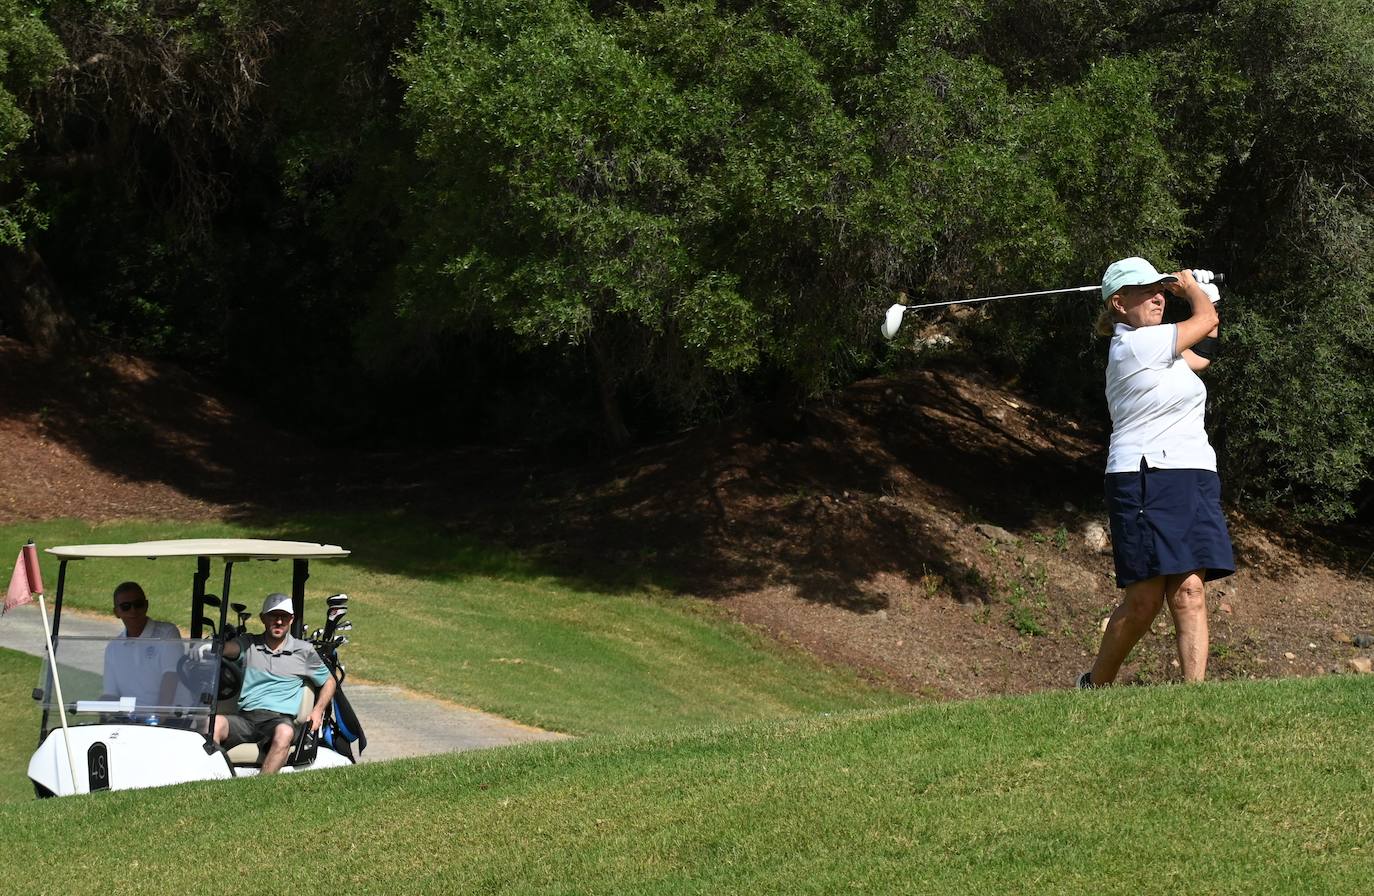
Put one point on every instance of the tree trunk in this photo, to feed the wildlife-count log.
(31, 306)
(616, 433)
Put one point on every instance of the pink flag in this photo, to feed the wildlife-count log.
(26, 581)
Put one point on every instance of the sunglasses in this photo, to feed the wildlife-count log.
(127, 605)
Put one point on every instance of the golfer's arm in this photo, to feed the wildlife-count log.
(230, 651)
(325, 695)
(327, 691)
(1196, 363)
(1203, 323)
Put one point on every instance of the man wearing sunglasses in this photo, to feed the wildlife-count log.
(142, 661)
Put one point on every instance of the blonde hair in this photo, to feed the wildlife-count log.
(1107, 320)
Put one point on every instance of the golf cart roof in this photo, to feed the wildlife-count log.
(227, 548)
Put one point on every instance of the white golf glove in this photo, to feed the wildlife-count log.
(1204, 279)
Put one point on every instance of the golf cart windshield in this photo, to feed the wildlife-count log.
(148, 680)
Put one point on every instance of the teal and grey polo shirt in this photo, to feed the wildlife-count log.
(273, 680)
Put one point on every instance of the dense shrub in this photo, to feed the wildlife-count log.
(627, 216)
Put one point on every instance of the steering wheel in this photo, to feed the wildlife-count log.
(193, 672)
(230, 679)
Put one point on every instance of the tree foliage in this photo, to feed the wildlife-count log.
(627, 216)
(29, 55)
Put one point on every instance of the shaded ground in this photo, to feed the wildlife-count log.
(929, 529)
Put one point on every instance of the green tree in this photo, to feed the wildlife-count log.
(694, 193)
(1296, 207)
(29, 55)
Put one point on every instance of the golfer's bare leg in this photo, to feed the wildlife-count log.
(1188, 604)
(1128, 623)
(277, 749)
(221, 729)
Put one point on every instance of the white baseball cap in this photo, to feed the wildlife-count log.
(1133, 271)
(277, 602)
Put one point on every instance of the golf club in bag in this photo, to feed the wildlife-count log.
(340, 728)
(893, 319)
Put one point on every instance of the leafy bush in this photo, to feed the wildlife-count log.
(640, 213)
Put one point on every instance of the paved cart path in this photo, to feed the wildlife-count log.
(398, 722)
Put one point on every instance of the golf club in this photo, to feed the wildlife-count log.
(332, 620)
(893, 319)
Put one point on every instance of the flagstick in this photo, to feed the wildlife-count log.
(57, 686)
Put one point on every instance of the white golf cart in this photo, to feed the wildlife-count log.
(139, 711)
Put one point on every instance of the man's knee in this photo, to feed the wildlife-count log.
(283, 734)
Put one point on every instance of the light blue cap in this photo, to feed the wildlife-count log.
(1133, 271)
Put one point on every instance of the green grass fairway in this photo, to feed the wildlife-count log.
(18, 722)
(1237, 788)
(440, 614)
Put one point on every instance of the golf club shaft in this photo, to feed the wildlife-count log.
(1216, 278)
(1014, 295)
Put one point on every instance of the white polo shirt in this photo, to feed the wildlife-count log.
(1156, 402)
(134, 667)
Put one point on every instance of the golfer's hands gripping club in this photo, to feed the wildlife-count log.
(1208, 281)
(1187, 281)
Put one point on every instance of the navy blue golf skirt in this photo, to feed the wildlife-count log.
(1167, 522)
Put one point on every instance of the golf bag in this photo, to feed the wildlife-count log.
(341, 728)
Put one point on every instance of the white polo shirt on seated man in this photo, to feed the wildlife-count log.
(141, 662)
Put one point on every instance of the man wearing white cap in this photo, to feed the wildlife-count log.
(275, 668)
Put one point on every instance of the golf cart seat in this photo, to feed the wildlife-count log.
(253, 754)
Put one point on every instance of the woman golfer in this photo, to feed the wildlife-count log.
(1163, 494)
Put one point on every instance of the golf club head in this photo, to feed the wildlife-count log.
(241, 609)
(337, 613)
(893, 321)
(210, 600)
(336, 600)
(346, 627)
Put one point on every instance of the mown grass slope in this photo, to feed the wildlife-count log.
(1236, 788)
(18, 722)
